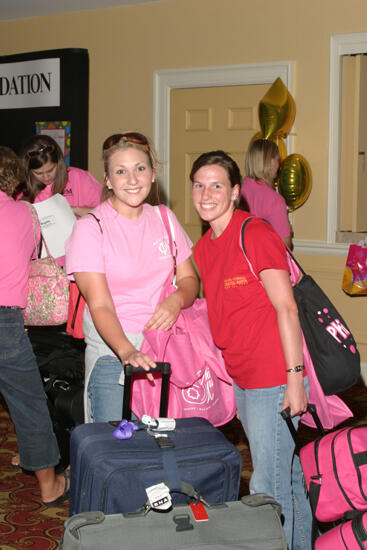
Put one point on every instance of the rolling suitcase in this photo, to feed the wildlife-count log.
(111, 475)
(253, 523)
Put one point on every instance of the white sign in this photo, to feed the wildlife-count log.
(30, 84)
(56, 220)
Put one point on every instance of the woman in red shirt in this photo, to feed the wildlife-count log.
(254, 321)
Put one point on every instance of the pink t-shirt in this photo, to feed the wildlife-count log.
(82, 189)
(16, 249)
(133, 254)
(266, 203)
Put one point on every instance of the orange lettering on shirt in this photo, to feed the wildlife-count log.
(235, 282)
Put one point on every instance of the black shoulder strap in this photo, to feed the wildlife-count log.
(243, 234)
(287, 249)
(97, 220)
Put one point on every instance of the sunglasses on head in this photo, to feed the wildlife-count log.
(128, 137)
(42, 149)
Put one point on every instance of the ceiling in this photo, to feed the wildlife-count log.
(21, 9)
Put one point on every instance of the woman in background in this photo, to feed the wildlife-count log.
(120, 258)
(20, 381)
(261, 167)
(254, 321)
(46, 174)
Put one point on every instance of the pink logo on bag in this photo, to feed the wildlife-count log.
(335, 328)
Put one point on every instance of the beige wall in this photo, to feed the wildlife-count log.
(127, 44)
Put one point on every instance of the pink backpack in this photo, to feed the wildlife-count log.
(335, 470)
(351, 535)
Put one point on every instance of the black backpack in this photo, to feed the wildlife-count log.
(331, 345)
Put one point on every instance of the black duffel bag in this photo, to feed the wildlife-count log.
(60, 359)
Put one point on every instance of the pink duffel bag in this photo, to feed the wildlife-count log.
(351, 535)
(335, 470)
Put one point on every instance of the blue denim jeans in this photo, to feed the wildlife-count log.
(21, 386)
(277, 471)
(105, 392)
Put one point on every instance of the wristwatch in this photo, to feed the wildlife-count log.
(298, 368)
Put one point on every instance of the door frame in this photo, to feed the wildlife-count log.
(340, 44)
(203, 77)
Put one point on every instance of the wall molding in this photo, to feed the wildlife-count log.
(323, 248)
(200, 77)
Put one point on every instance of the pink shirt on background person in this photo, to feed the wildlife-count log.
(16, 250)
(265, 202)
(81, 189)
(133, 254)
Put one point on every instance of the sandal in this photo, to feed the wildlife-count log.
(63, 497)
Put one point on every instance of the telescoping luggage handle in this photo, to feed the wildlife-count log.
(286, 414)
(164, 368)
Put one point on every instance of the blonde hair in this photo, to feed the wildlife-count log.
(258, 160)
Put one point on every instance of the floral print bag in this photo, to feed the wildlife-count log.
(48, 287)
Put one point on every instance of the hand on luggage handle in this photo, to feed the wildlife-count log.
(164, 368)
(311, 408)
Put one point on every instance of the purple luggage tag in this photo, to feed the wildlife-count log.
(125, 430)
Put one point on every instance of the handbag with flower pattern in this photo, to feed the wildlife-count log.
(48, 287)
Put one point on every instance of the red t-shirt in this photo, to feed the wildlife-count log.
(242, 319)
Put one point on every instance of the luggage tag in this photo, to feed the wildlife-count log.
(159, 497)
(155, 426)
(198, 511)
(159, 424)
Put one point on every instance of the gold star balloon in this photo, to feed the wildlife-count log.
(277, 111)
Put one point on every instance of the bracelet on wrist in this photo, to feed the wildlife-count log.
(298, 368)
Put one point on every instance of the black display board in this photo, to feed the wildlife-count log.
(18, 123)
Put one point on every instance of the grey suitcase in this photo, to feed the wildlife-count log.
(253, 523)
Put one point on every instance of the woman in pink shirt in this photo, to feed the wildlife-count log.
(120, 258)
(262, 165)
(20, 381)
(47, 174)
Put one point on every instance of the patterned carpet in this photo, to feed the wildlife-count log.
(26, 524)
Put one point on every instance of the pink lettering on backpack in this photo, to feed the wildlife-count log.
(337, 328)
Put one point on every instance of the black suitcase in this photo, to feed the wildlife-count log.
(112, 475)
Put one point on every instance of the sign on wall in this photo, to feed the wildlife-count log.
(60, 131)
(30, 84)
(46, 91)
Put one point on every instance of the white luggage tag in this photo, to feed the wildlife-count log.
(159, 424)
(159, 497)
